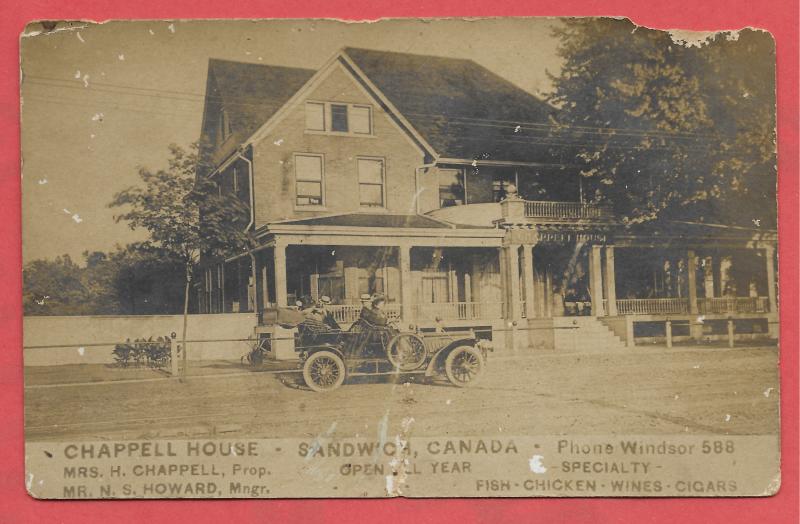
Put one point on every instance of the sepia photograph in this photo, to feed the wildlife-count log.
(311, 258)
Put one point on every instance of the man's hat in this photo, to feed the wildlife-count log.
(378, 297)
(366, 297)
(325, 299)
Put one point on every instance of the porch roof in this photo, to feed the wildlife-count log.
(658, 232)
(372, 220)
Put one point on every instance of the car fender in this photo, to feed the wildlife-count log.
(439, 357)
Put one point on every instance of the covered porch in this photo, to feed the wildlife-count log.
(429, 276)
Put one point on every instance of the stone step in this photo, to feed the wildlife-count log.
(590, 335)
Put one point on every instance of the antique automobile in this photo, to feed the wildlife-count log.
(328, 359)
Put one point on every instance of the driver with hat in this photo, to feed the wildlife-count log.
(375, 314)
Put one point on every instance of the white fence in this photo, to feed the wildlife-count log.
(91, 339)
(733, 305)
(569, 210)
(348, 313)
(653, 306)
(706, 306)
(459, 311)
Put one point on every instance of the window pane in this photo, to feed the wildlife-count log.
(371, 195)
(338, 118)
(360, 119)
(315, 116)
(451, 188)
(370, 171)
(309, 189)
(308, 167)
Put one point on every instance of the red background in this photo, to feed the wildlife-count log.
(780, 17)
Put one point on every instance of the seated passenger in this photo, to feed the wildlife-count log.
(375, 314)
(327, 316)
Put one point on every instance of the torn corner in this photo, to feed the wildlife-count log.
(48, 27)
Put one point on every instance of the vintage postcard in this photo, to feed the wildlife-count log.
(531, 257)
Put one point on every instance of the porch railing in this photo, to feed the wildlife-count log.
(653, 306)
(348, 313)
(705, 306)
(568, 210)
(733, 305)
(458, 310)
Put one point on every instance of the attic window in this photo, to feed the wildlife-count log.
(339, 118)
(335, 118)
(315, 116)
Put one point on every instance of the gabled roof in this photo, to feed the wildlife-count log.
(250, 94)
(462, 109)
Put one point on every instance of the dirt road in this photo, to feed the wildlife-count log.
(646, 391)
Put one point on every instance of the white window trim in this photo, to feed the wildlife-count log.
(328, 119)
(310, 207)
(383, 183)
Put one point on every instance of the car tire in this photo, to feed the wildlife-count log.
(324, 371)
(463, 366)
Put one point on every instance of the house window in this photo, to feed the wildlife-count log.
(315, 116)
(370, 182)
(370, 282)
(339, 118)
(361, 119)
(350, 119)
(332, 286)
(451, 187)
(308, 172)
(501, 183)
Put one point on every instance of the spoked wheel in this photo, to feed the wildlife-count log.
(406, 351)
(463, 366)
(324, 371)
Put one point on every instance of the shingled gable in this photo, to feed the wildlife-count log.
(250, 94)
(459, 107)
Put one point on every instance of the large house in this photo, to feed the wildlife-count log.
(407, 175)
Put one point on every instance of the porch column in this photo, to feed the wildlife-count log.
(281, 295)
(769, 254)
(596, 280)
(610, 280)
(527, 275)
(716, 272)
(512, 281)
(406, 282)
(691, 270)
(264, 287)
(351, 283)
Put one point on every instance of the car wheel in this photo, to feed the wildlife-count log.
(324, 371)
(406, 351)
(463, 366)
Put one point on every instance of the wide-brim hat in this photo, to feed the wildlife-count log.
(325, 299)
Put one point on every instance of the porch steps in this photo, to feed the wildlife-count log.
(584, 335)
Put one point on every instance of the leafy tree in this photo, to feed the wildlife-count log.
(54, 288)
(667, 131)
(186, 217)
(130, 280)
